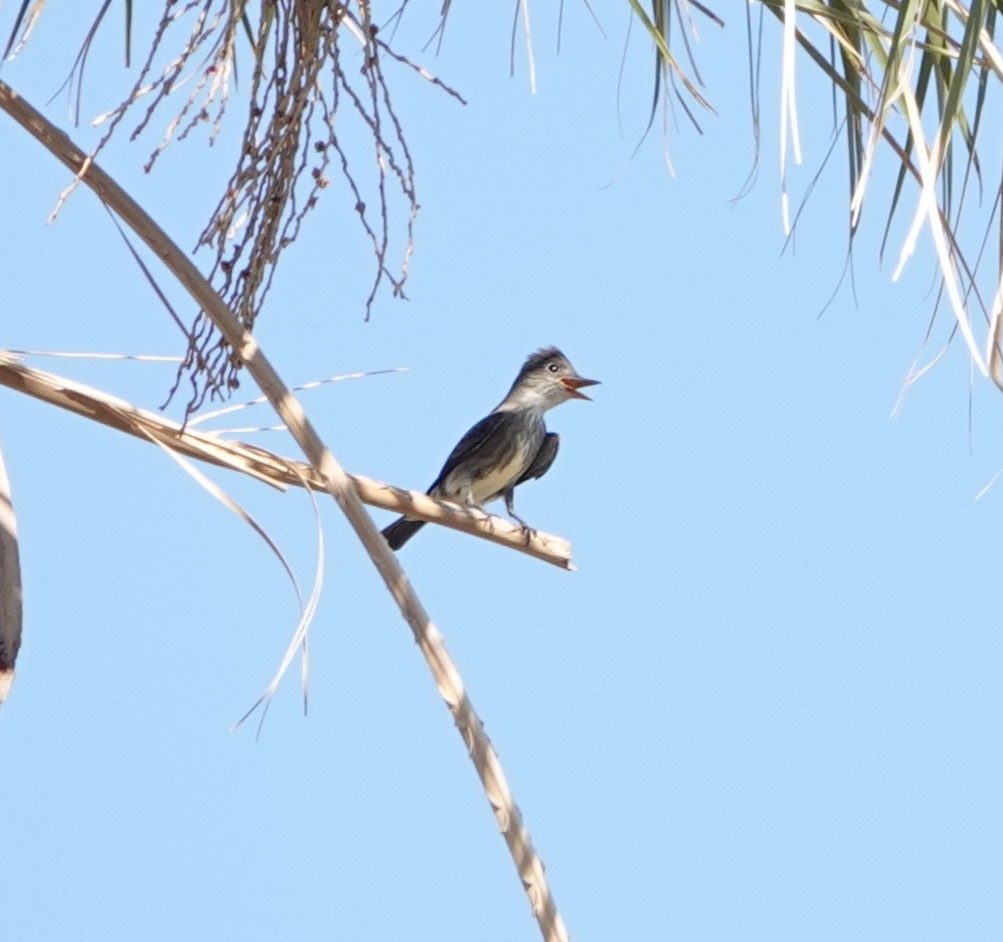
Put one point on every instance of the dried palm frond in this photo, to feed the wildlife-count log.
(316, 89)
(10, 585)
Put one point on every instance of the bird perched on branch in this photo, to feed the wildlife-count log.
(507, 447)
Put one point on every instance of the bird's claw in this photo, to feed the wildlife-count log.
(527, 531)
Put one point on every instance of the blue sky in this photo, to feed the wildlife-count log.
(765, 707)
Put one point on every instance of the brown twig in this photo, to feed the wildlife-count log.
(265, 465)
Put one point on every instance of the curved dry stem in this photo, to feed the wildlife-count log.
(339, 485)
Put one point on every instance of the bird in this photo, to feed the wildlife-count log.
(506, 448)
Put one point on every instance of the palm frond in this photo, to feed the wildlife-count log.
(913, 78)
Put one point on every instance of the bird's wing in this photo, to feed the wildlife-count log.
(544, 458)
(468, 446)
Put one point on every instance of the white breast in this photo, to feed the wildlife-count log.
(487, 487)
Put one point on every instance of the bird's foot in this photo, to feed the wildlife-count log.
(527, 531)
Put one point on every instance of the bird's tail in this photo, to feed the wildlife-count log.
(400, 531)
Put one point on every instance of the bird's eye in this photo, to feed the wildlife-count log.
(553, 367)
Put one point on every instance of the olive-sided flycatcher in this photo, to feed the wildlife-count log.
(507, 447)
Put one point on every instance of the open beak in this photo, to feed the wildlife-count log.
(574, 383)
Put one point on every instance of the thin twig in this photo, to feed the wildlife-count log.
(265, 465)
